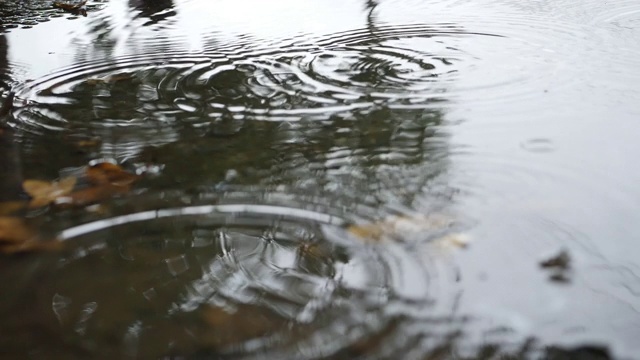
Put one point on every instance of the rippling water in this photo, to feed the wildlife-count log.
(268, 131)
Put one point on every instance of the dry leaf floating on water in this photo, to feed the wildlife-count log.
(105, 180)
(108, 173)
(558, 266)
(74, 8)
(561, 261)
(44, 193)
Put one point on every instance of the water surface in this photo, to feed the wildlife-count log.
(264, 132)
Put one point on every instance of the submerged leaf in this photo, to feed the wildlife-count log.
(92, 195)
(108, 173)
(17, 237)
(14, 230)
(10, 207)
(399, 226)
(31, 246)
(228, 327)
(105, 180)
(44, 193)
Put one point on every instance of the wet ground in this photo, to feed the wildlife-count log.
(391, 179)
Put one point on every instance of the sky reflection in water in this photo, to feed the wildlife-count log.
(516, 119)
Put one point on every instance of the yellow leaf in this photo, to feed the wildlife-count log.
(44, 193)
(371, 232)
(454, 241)
(400, 226)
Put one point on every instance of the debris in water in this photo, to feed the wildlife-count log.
(559, 266)
(397, 226)
(44, 193)
(91, 185)
(17, 237)
(560, 261)
(105, 180)
(77, 8)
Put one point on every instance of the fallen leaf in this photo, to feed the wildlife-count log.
(69, 6)
(14, 230)
(83, 141)
(106, 179)
(109, 79)
(367, 231)
(228, 327)
(558, 266)
(44, 193)
(108, 173)
(561, 261)
(88, 143)
(91, 195)
(399, 226)
(315, 250)
(10, 207)
(17, 237)
(31, 246)
(454, 241)
(77, 8)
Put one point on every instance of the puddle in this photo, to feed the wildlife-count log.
(321, 180)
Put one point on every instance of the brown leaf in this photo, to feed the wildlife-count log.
(108, 173)
(14, 230)
(88, 143)
(69, 6)
(44, 193)
(17, 237)
(92, 195)
(31, 246)
(105, 180)
(562, 261)
(76, 9)
(10, 207)
(230, 327)
(111, 79)
(314, 250)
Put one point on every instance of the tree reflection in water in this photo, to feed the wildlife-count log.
(384, 154)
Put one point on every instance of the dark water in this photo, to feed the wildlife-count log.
(264, 131)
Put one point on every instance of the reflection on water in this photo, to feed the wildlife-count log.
(268, 131)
